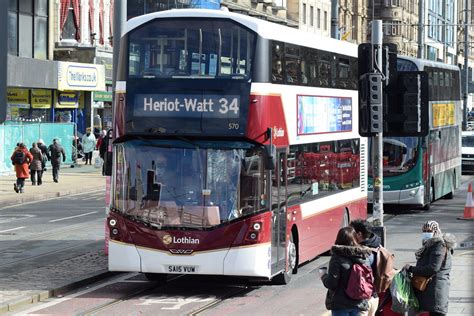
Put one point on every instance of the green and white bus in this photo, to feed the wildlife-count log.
(419, 170)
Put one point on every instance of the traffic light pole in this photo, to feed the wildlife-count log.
(377, 141)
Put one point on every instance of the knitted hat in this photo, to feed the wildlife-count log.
(432, 226)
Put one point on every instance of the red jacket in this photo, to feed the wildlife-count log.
(22, 170)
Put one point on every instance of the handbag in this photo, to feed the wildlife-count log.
(420, 282)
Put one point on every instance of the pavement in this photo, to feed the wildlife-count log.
(54, 280)
(79, 179)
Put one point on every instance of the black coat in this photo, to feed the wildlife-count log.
(435, 261)
(55, 151)
(342, 259)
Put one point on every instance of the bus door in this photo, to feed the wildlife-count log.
(279, 214)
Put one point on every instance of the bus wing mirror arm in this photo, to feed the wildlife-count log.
(270, 154)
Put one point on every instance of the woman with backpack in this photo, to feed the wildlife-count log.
(433, 260)
(346, 255)
(21, 159)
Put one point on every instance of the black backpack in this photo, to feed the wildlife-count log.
(19, 157)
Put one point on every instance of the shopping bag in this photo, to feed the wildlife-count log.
(403, 296)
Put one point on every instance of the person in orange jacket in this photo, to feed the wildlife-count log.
(21, 158)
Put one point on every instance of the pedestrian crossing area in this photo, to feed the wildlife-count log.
(94, 196)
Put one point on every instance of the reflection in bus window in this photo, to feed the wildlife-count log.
(320, 169)
(190, 49)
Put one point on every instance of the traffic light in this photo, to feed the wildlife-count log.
(372, 79)
(408, 109)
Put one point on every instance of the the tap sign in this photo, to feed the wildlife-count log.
(188, 106)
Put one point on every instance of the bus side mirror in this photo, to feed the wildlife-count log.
(108, 154)
(270, 154)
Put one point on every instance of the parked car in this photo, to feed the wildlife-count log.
(467, 152)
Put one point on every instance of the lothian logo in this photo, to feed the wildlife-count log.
(168, 239)
(278, 132)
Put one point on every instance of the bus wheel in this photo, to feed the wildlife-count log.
(156, 277)
(285, 276)
(431, 198)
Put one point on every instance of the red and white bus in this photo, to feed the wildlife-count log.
(236, 148)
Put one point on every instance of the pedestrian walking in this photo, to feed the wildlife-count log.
(21, 158)
(433, 261)
(36, 165)
(55, 151)
(44, 151)
(88, 145)
(344, 255)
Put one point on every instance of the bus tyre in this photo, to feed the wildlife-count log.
(285, 276)
(156, 277)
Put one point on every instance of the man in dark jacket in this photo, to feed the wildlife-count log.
(55, 151)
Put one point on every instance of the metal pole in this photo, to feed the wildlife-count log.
(377, 148)
(120, 18)
(421, 29)
(466, 65)
(3, 59)
(335, 19)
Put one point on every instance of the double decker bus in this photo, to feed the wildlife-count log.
(236, 149)
(419, 170)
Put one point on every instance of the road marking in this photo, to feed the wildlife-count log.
(62, 219)
(11, 229)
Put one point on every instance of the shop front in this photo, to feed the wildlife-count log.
(74, 99)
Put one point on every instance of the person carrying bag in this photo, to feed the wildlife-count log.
(430, 278)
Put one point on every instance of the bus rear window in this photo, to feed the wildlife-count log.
(190, 48)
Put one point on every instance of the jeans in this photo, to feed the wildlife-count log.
(89, 157)
(20, 182)
(36, 176)
(345, 312)
(56, 172)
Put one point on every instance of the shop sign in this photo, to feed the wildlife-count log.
(67, 100)
(81, 77)
(103, 96)
(18, 97)
(41, 98)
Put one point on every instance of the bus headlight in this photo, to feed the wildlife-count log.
(115, 231)
(113, 222)
(257, 226)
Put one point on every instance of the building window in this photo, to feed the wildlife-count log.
(325, 20)
(318, 19)
(311, 15)
(13, 27)
(28, 21)
(41, 29)
(69, 29)
(304, 13)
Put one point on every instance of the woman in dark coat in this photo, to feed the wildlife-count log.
(434, 259)
(36, 165)
(344, 254)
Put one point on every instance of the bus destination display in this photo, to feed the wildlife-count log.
(187, 106)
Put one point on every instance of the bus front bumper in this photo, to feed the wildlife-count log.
(412, 196)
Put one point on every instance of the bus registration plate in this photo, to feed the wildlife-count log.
(182, 269)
